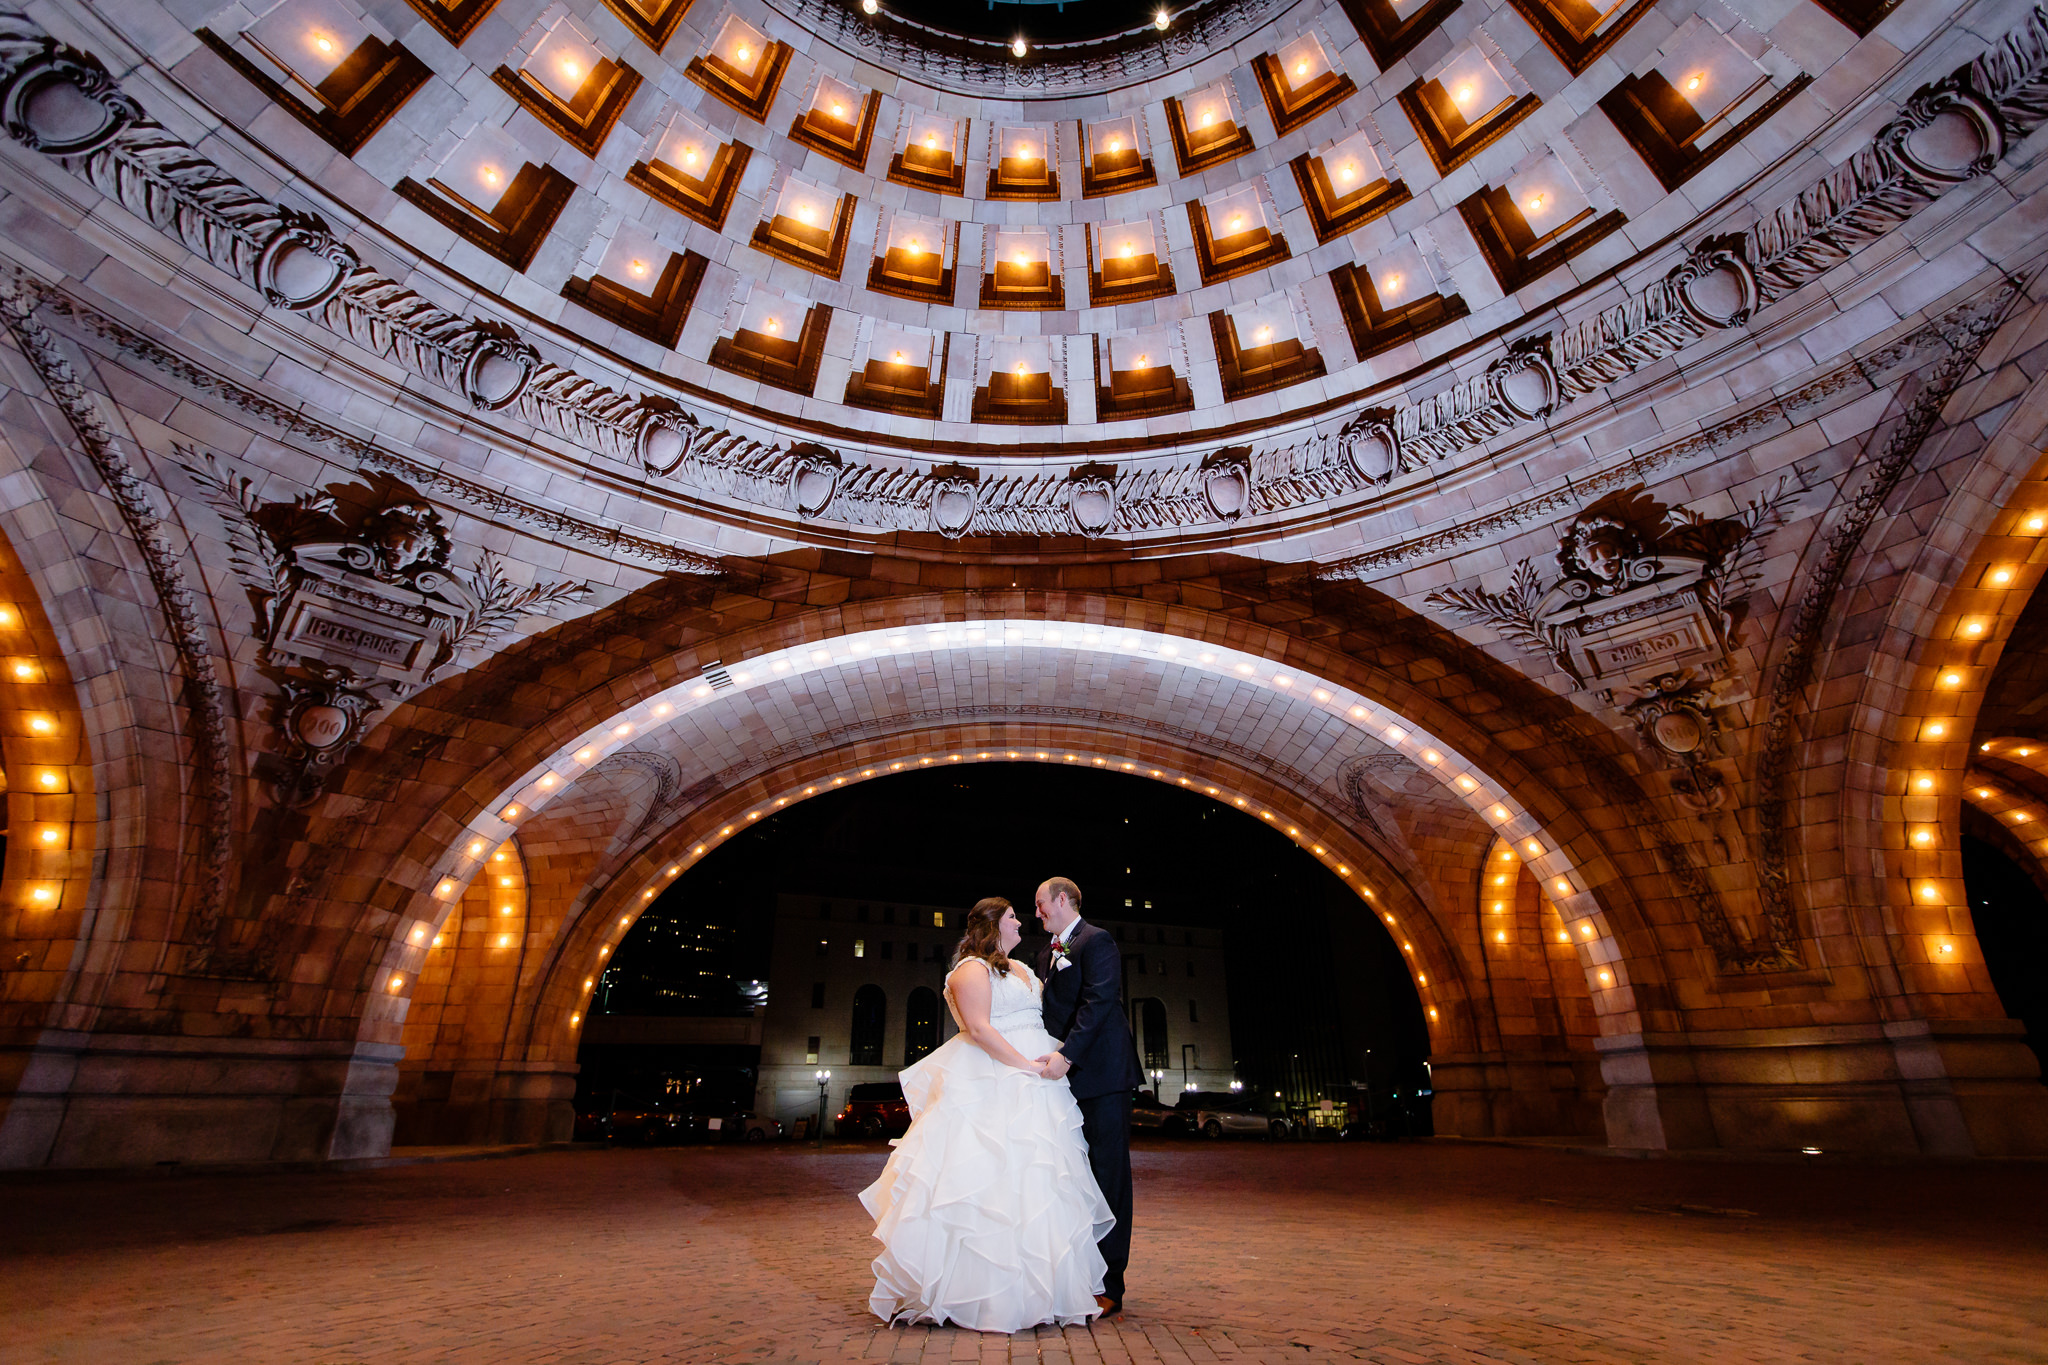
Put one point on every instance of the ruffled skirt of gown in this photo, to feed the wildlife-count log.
(987, 1212)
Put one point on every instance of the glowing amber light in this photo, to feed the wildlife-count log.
(689, 156)
(1923, 837)
(1693, 83)
(1587, 929)
(804, 213)
(1500, 936)
(1265, 332)
(323, 42)
(24, 671)
(743, 52)
(1563, 887)
(1951, 679)
(838, 110)
(899, 357)
(1935, 730)
(1161, 20)
(1500, 813)
(1237, 222)
(511, 812)
(489, 174)
(44, 893)
(1208, 117)
(774, 325)
(51, 780)
(1606, 977)
(1925, 784)
(1130, 249)
(1467, 783)
(1301, 68)
(1023, 259)
(42, 725)
(1347, 171)
(1464, 94)
(2001, 576)
(572, 68)
(2033, 524)
(1535, 202)
(51, 836)
(1930, 892)
(638, 267)
(1018, 47)
(1948, 947)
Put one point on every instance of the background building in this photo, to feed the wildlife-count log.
(856, 987)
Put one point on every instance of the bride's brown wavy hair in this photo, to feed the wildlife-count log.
(984, 935)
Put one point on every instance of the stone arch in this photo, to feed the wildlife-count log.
(522, 774)
(1922, 674)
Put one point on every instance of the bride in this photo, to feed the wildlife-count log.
(987, 1212)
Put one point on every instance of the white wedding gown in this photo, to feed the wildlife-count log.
(987, 1212)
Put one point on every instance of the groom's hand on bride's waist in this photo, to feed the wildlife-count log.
(1056, 1065)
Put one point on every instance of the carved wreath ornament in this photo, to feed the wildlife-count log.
(1645, 596)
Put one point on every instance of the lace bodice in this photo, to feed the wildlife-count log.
(1013, 1000)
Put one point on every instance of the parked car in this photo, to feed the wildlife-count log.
(1148, 1115)
(747, 1126)
(1215, 1114)
(646, 1125)
(874, 1109)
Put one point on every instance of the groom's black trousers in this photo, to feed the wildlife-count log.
(1106, 1124)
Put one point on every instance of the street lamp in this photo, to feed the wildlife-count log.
(824, 1079)
(1157, 1077)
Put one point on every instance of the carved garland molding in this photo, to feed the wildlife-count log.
(204, 699)
(62, 102)
(367, 456)
(1810, 617)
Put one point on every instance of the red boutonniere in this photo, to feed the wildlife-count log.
(1060, 956)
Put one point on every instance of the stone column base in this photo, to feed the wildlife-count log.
(87, 1100)
(1921, 1088)
(1517, 1094)
(485, 1102)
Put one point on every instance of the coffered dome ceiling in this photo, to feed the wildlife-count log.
(1303, 279)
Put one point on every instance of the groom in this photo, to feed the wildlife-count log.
(1083, 972)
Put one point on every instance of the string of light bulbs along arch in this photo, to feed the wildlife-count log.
(548, 780)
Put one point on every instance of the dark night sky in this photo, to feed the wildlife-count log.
(1311, 971)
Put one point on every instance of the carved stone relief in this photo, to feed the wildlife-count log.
(354, 617)
(1645, 599)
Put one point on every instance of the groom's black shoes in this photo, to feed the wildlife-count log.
(1110, 1307)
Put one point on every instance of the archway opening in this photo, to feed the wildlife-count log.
(2010, 915)
(1251, 969)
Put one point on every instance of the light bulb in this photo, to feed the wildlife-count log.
(1143, 360)
(1301, 68)
(1694, 83)
(1393, 285)
(899, 357)
(1208, 117)
(1346, 171)
(1018, 150)
(689, 156)
(803, 213)
(489, 175)
(914, 247)
(1236, 222)
(1161, 20)
(323, 42)
(870, 6)
(1535, 202)
(1265, 332)
(1128, 251)
(743, 53)
(774, 325)
(572, 68)
(838, 110)
(1464, 95)
(1116, 144)
(931, 140)
(1020, 367)
(1023, 259)
(1018, 47)
(639, 267)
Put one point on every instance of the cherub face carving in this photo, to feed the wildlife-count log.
(402, 536)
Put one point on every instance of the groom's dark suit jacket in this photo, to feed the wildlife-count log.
(1084, 1009)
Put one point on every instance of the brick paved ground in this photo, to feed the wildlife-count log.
(1245, 1252)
